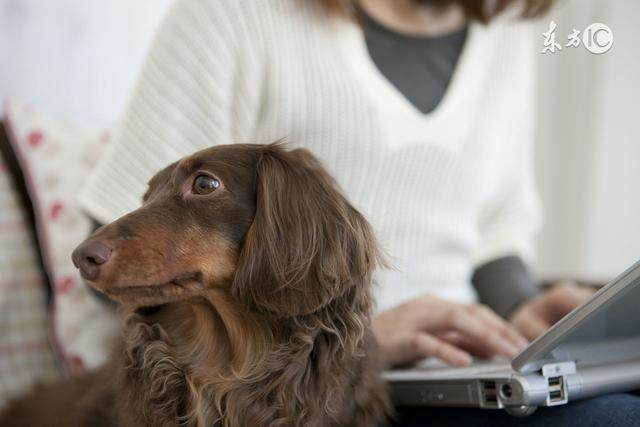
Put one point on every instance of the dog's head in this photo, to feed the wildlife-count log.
(264, 223)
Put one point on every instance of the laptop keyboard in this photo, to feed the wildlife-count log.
(478, 367)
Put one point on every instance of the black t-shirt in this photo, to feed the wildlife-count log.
(419, 67)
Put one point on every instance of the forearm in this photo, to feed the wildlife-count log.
(504, 284)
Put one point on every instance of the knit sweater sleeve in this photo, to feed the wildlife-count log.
(193, 92)
(509, 225)
(511, 215)
(501, 277)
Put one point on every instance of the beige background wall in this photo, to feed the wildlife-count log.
(588, 151)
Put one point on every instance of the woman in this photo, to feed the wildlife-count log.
(423, 115)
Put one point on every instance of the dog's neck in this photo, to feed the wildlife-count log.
(217, 353)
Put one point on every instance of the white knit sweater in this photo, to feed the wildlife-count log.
(444, 191)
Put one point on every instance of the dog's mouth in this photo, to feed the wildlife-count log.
(150, 310)
(181, 281)
(151, 295)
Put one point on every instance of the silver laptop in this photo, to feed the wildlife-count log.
(594, 350)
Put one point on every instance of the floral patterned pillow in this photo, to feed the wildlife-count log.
(25, 354)
(56, 157)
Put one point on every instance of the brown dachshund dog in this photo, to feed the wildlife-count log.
(244, 282)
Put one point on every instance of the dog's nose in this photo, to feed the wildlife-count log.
(88, 257)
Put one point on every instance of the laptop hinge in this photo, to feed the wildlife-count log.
(555, 374)
(557, 369)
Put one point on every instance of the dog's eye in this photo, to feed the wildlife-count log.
(205, 184)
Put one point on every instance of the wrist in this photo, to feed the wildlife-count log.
(505, 285)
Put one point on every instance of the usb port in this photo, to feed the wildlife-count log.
(555, 381)
(556, 389)
(555, 396)
(490, 394)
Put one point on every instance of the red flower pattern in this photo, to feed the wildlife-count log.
(76, 364)
(65, 285)
(35, 138)
(55, 210)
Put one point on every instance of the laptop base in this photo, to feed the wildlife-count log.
(497, 386)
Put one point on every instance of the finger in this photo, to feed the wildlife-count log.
(495, 322)
(450, 316)
(476, 329)
(575, 296)
(565, 298)
(502, 326)
(449, 336)
(531, 325)
(430, 346)
(463, 343)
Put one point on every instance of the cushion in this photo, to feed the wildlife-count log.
(25, 353)
(55, 157)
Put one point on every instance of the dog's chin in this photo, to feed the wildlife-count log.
(143, 295)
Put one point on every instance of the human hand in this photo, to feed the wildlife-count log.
(432, 327)
(538, 314)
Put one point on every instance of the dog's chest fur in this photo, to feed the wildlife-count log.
(161, 378)
(300, 382)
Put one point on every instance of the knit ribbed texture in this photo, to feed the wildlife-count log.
(444, 191)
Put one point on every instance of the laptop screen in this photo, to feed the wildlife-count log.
(604, 329)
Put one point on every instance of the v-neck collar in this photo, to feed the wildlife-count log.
(445, 125)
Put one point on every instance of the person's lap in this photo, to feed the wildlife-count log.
(616, 410)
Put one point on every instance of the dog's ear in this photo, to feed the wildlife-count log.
(307, 245)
